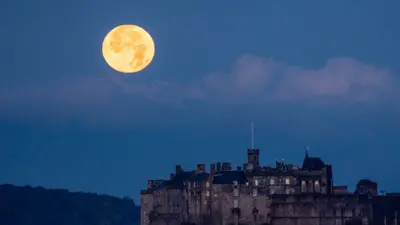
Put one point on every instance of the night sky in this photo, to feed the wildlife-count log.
(318, 73)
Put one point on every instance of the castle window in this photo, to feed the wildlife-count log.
(303, 186)
(317, 186)
(256, 182)
(207, 184)
(254, 192)
(272, 181)
(207, 193)
(235, 192)
(272, 191)
(236, 203)
(287, 181)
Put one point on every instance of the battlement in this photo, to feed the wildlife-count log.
(253, 151)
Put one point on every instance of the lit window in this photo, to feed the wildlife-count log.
(287, 181)
(317, 186)
(303, 186)
(207, 193)
(235, 192)
(236, 203)
(256, 182)
(272, 181)
(254, 192)
(207, 184)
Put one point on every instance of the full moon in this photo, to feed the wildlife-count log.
(128, 48)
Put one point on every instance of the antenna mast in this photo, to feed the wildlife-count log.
(252, 135)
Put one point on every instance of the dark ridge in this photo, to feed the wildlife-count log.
(36, 205)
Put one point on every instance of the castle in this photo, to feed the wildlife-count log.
(258, 195)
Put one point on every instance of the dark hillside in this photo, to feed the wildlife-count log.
(39, 206)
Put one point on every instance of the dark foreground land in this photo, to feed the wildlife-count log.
(39, 206)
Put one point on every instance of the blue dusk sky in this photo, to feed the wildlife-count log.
(318, 73)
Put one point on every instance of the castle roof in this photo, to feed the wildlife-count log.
(199, 177)
(228, 177)
(313, 163)
(367, 182)
(177, 182)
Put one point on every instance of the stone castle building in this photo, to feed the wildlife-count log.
(258, 195)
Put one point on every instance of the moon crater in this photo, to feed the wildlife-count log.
(128, 48)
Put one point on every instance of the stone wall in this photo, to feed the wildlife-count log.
(316, 210)
(146, 206)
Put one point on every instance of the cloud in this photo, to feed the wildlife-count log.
(258, 80)
(261, 80)
(251, 80)
(255, 79)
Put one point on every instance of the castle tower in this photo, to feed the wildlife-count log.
(253, 157)
(253, 154)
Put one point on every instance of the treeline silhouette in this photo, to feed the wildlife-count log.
(38, 206)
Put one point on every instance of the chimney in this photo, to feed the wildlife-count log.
(226, 166)
(212, 167)
(149, 183)
(239, 168)
(244, 166)
(201, 167)
(178, 169)
(218, 166)
(171, 175)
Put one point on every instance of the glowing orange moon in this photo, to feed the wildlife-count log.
(128, 48)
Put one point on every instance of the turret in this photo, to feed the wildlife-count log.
(253, 157)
